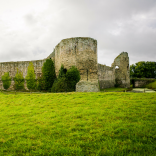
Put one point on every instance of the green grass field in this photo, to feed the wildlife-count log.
(81, 124)
(152, 85)
(114, 89)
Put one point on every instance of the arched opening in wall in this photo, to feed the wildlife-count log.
(64, 70)
(128, 67)
(116, 67)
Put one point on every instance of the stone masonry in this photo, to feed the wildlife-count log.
(118, 73)
(82, 53)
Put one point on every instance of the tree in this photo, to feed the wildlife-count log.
(6, 79)
(48, 71)
(62, 71)
(59, 85)
(31, 82)
(40, 83)
(143, 70)
(72, 77)
(19, 80)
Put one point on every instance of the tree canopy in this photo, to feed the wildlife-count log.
(143, 70)
(31, 82)
(48, 74)
(19, 80)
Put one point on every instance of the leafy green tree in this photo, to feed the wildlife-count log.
(40, 83)
(62, 71)
(30, 78)
(59, 85)
(72, 77)
(19, 80)
(143, 70)
(6, 79)
(48, 71)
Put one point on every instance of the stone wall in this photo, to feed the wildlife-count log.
(82, 53)
(141, 82)
(106, 76)
(52, 56)
(122, 73)
(22, 66)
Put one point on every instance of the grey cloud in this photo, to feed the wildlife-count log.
(117, 25)
(30, 19)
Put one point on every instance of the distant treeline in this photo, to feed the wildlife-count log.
(143, 70)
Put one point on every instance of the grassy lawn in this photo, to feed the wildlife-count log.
(114, 89)
(152, 85)
(94, 124)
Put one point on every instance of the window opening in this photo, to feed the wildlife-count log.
(64, 70)
(116, 67)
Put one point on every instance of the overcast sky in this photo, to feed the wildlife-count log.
(30, 29)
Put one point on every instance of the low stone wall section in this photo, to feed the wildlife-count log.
(106, 76)
(138, 83)
(87, 86)
(22, 66)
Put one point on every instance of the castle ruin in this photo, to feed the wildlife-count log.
(82, 53)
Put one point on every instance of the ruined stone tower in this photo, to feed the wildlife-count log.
(82, 53)
(122, 73)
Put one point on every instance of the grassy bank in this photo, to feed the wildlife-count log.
(114, 89)
(152, 85)
(78, 124)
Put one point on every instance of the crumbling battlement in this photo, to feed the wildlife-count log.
(82, 53)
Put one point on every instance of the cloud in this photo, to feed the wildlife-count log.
(31, 30)
(30, 19)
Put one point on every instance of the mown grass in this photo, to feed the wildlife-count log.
(96, 124)
(151, 85)
(114, 89)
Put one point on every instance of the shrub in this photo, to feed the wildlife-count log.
(6, 79)
(31, 82)
(62, 72)
(59, 85)
(19, 80)
(151, 85)
(40, 83)
(48, 71)
(72, 77)
(67, 80)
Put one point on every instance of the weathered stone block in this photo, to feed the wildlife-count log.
(87, 86)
